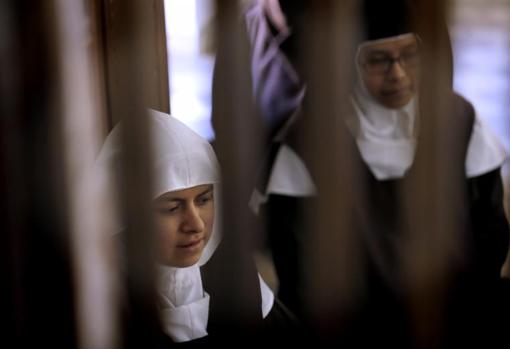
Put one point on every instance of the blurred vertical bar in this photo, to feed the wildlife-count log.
(154, 61)
(332, 258)
(37, 301)
(238, 135)
(132, 85)
(80, 109)
(434, 198)
(160, 99)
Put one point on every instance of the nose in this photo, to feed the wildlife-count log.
(397, 71)
(192, 221)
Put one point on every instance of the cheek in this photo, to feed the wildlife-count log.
(414, 78)
(166, 231)
(208, 219)
(373, 84)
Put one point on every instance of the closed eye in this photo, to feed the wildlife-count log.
(169, 208)
(204, 198)
(378, 60)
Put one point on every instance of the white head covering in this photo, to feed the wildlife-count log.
(386, 138)
(181, 159)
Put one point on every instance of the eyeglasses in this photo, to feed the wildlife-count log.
(381, 63)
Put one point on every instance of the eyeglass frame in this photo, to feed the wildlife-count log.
(391, 60)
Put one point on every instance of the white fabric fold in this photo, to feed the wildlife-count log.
(485, 151)
(256, 200)
(387, 160)
(386, 139)
(180, 286)
(186, 322)
(181, 159)
(184, 303)
(267, 297)
(289, 176)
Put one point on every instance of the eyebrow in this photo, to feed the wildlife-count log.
(377, 51)
(207, 191)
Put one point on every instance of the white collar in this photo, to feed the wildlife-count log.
(385, 137)
(485, 151)
(179, 286)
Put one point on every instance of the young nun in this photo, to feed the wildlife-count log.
(186, 210)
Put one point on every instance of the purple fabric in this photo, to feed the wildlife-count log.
(276, 85)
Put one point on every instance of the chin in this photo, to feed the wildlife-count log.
(395, 103)
(182, 262)
(186, 262)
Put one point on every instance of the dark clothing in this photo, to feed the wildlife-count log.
(382, 314)
(279, 326)
(236, 317)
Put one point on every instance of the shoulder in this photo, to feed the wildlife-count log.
(485, 152)
(463, 110)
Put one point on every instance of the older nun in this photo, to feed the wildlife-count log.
(386, 129)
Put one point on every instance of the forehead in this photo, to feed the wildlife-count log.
(389, 45)
(187, 193)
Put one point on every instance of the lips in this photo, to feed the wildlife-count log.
(190, 244)
(396, 92)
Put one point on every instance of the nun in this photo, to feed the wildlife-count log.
(389, 124)
(188, 232)
(386, 128)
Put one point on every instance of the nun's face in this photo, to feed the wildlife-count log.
(184, 221)
(389, 69)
